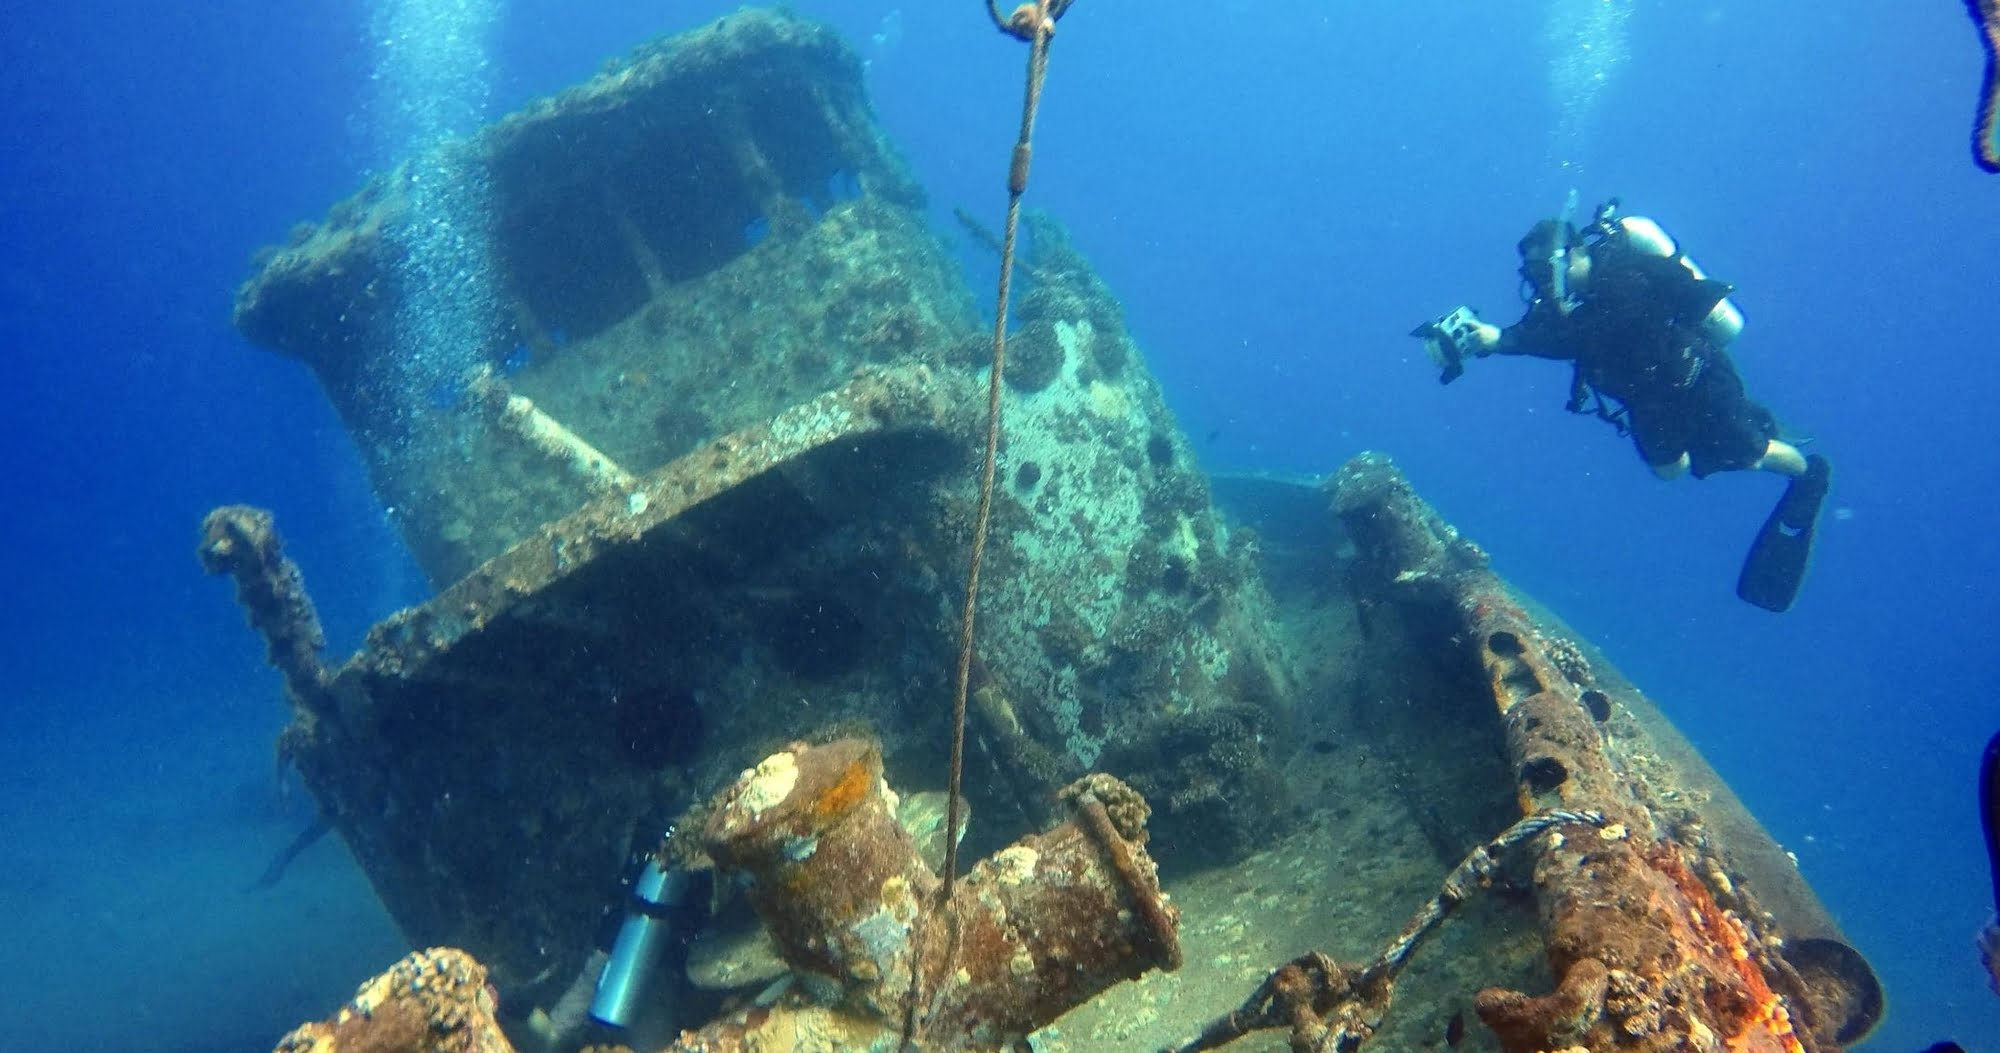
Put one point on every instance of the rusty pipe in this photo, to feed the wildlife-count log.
(243, 542)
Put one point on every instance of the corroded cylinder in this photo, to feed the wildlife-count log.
(1046, 924)
(835, 878)
(1033, 932)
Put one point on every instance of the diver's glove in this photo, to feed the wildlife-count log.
(1452, 337)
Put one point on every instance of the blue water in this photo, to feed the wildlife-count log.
(1277, 189)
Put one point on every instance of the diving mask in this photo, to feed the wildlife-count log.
(1546, 263)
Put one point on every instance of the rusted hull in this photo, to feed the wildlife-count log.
(1646, 955)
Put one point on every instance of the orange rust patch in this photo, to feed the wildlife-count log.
(846, 792)
(1767, 1019)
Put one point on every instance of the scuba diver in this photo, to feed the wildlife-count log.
(1647, 334)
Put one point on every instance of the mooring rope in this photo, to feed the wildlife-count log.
(1033, 23)
(1036, 24)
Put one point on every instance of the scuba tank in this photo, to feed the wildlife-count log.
(1724, 322)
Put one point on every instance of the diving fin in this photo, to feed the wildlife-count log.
(275, 872)
(1777, 561)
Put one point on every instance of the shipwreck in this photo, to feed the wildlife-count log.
(696, 503)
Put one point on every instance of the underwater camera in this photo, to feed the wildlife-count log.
(1447, 340)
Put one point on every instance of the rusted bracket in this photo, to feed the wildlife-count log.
(1334, 1008)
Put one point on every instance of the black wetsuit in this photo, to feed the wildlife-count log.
(1636, 338)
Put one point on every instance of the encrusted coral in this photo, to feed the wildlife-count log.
(434, 1001)
(1125, 806)
(1218, 794)
(1034, 358)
